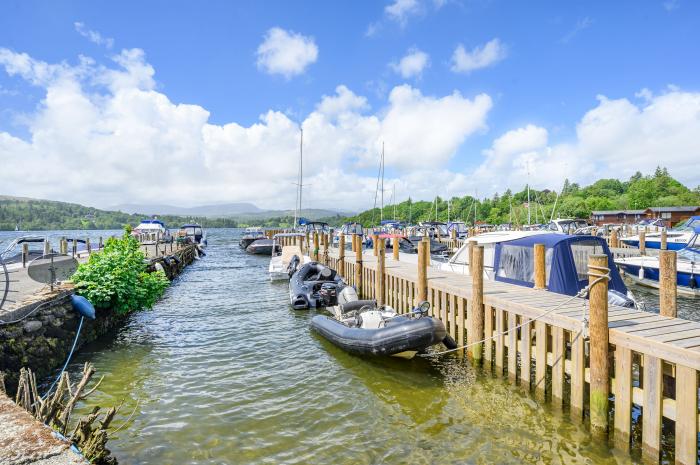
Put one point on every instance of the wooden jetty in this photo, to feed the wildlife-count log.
(544, 341)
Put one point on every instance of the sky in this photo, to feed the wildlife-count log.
(193, 103)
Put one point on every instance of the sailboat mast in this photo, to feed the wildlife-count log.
(528, 193)
(297, 206)
(393, 200)
(381, 213)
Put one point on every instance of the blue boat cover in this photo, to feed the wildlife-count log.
(566, 258)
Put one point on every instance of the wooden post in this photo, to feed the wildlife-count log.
(74, 249)
(308, 245)
(426, 251)
(99, 243)
(353, 243)
(540, 267)
(25, 254)
(664, 239)
(380, 279)
(358, 267)
(470, 253)
(375, 246)
(667, 283)
(686, 415)
(325, 248)
(47, 247)
(314, 256)
(476, 329)
(614, 241)
(453, 234)
(599, 339)
(341, 255)
(88, 246)
(642, 242)
(63, 246)
(422, 284)
(395, 248)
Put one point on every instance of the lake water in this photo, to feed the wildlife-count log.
(222, 371)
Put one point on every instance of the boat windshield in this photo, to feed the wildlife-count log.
(518, 263)
(689, 225)
(459, 227)
(354, 228)
(193, 231)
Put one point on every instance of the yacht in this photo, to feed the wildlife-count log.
(644, 269)
(676, 238)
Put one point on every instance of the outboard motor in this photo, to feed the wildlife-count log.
(328, 294)
(293, 265)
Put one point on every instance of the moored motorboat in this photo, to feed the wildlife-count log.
(361, 327)
(13, 252)
(676, 238)
(644, 269)
(314, 285)
(285, 260)
(250, 235)
(262, 246)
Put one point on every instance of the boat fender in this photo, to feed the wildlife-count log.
(450, 343)
(159, 267)
(83, 306)
(693, 282)
(641, 272)
(200, 251)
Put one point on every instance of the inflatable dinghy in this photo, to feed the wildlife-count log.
(360, 327)
(314, 285)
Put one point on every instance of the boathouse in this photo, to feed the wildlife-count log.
(671, 215)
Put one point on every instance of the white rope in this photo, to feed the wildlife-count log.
(582, 293)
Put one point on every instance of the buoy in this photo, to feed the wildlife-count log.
(83, 306)
(641, 272)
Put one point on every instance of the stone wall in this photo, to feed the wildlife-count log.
(44, 336)
(42, 340)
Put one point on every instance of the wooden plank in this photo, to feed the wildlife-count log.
(453, 315)
(526, 353)
(691, 342)
(512, 347)
(669, 327)
(578, 375)
(499, 341)
(488, 332)
(461, 305)
(677, 336)
(540, 357)
(558, 354)
(687, 415)
(651, 421)
(623, 397)
(443, 309)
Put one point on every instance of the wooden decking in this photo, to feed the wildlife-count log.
(656, 359)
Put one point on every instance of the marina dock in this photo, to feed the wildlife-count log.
(541, 341)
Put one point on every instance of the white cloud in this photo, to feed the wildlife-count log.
(490, 53)
(401, 10)
(93, 36)
(614, 139)
(130, 143)
(412, 64)
(286, 52)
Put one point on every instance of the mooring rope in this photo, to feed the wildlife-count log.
(582, 293)
(70, 354)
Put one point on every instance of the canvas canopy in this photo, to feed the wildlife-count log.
(566, 261)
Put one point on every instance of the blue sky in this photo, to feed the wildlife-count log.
(554, 60)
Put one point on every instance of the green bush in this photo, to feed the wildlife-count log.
(116, 277)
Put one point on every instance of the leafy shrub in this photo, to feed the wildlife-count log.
(116, 277)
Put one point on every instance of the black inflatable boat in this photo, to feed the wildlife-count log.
(314, 285)
(360, 327)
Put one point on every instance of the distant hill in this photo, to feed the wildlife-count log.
(242, 211)
(36, 214)
(227, 209)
